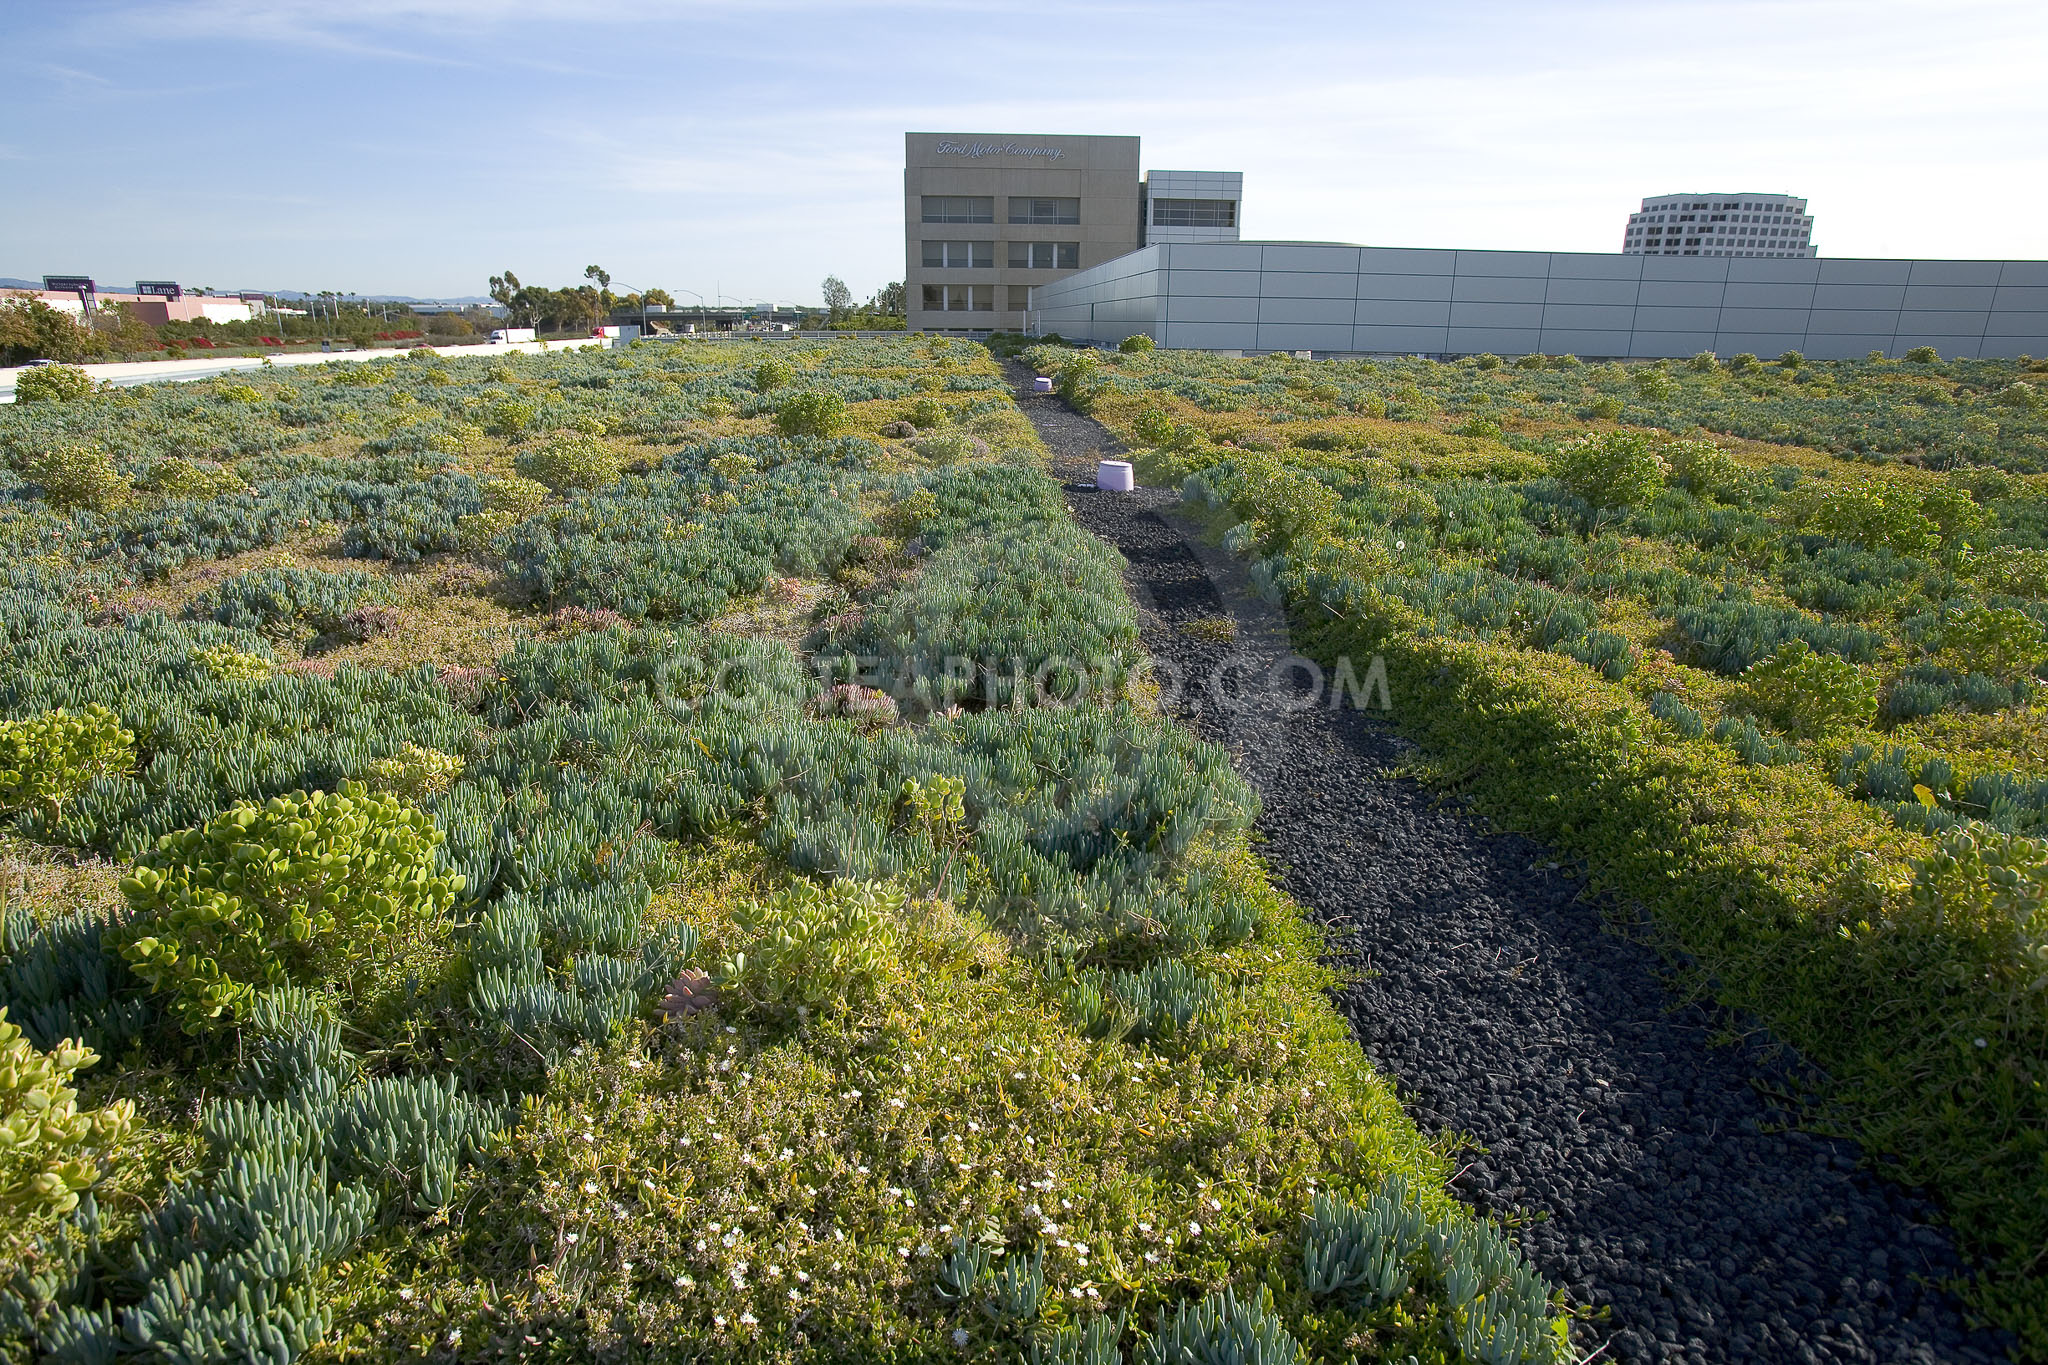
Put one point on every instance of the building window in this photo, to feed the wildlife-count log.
(1196, 213)
(959, 298)
(1045, 255)
(959, 208)
(1044, 211)
(960, 255)
(1020, 297)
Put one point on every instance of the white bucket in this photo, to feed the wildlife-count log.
(1042, 384)
(1114, 476)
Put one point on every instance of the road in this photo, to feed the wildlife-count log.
(126, 374)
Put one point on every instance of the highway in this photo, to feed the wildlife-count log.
(126, 374)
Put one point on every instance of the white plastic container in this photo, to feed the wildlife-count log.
(1042, 384)
(1114, 476)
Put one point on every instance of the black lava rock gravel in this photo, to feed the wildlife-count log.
(1661, 1190)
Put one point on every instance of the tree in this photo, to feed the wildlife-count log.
(888, 300)
(657, 297)
(32, 330)
(838, 298)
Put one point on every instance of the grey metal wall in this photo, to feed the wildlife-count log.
(1274, 296)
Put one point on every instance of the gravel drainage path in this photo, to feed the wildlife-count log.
(1661, 1190)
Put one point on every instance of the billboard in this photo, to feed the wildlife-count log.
(167, 289)
(75, 284)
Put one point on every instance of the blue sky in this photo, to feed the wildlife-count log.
(748, 147)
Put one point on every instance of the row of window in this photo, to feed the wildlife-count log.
(1194, 213)
(1673, 250)
(1732, 230)
(1022, 255)
(981, 208)
(974, 298)
(1743, 207)
(1719, 218)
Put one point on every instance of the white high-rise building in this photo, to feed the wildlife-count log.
(1720, 225)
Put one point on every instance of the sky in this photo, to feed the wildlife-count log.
(746, 148)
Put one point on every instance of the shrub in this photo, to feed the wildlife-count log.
(1705, 362)
(1923, 355)
(52, 384)
(814, 412)
(571, 462)
(312, 889)
(954, 447)
(50, 1150)
(1701, 467)
(812, 947)
(1790, 360)
(2018, 394)
(288, 598)
(1808, 694)
(1743, 363)
(510, 416)
(773, 374)
(46, 760)
(414, 773)
(514, 497)
(457, 438)
(1604, 408)
(1136, 344)
(174, 476)
(2003, 643)
(78, 476)
(1615, 469)
(2007, 569)
(225, 663)
(1654, 383)
(1875, 518)
(927, 412)
(1992, 885)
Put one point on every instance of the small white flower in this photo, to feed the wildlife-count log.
(960, 1336)
(405, 1294)
(749, 1319)
(718, 1320)
(1017, 1075)
(636, 1064)
(1194, 1229)
(570, 1237)
(590, 1187)
(684, 1281)
(792, 1296)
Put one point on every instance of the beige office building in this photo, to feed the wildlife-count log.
(987, 216)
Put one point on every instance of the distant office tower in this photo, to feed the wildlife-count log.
(1720, 225)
